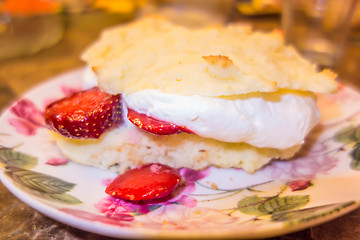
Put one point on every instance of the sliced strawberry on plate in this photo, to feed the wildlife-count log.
(148, 182)
(86, 114)
(154, 126)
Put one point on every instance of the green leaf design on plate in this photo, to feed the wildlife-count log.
(355, 155)
(280, 204)
(39, 181)
(307, 214)
(351, 135)
(348, 134)
(42, 185)
(255, 205)
(250, 205)
(63, 198)
(12, 158)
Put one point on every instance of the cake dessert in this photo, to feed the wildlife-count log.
(224, 96)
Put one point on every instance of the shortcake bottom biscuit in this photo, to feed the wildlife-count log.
(127, 147)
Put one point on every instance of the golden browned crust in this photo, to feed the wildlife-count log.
(152, 53)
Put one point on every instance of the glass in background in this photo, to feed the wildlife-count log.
(318, 28)
(28, 26)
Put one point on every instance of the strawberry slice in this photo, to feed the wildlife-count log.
(154, 126)
(86, 114)
(148, 182)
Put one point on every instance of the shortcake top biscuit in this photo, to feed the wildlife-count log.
(152, 53)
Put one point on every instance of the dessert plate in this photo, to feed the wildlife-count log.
(285, 196)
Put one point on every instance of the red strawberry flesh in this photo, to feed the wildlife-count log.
(86, 114)
(148, 182)
(154, 126)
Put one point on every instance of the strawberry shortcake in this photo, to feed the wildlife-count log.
(224, 96)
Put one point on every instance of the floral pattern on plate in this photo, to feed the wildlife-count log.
(284, 196)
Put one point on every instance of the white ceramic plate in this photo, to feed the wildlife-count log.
(286, 196)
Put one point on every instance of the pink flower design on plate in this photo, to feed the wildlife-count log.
(111, 206)
(298, 185)
(307, 166)
(66, 90)
(30, 117)
(181, 217)
(57, 161)
(343, 94)
(119, 220)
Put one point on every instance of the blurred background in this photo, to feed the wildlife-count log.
(42, 38)
(39, 38)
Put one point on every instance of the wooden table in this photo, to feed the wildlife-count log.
(17, 75)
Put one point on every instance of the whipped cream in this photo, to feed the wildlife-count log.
(90, 79)
(275, 120)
